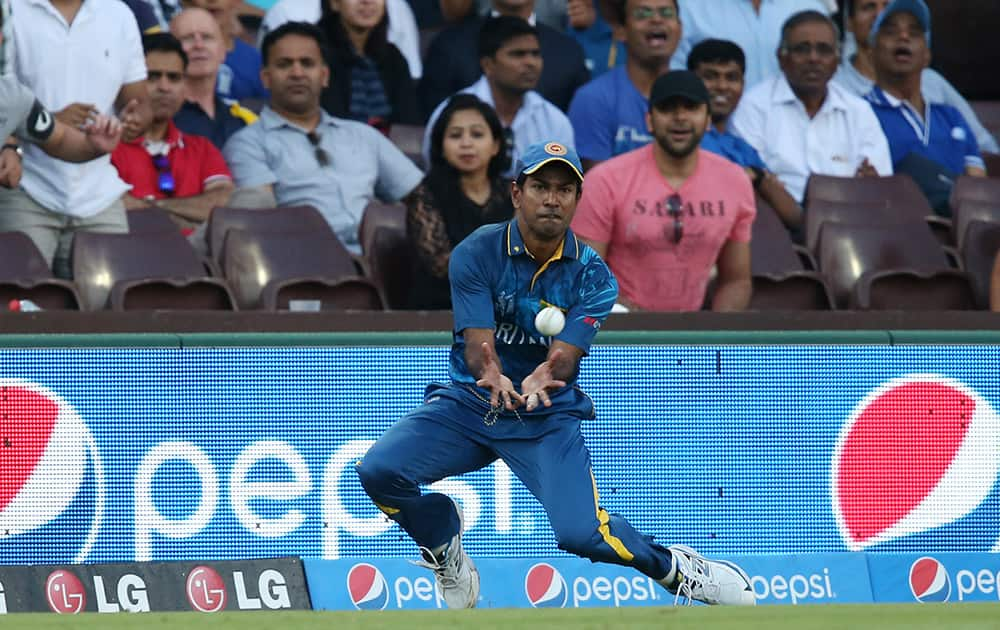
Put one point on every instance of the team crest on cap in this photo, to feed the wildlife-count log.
(554, 148)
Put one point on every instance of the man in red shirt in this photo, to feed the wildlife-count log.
(182, 173)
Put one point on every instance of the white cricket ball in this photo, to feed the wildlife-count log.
(550, 321)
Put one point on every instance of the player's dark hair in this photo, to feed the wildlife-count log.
(716, 51)
(164, 42)
(305, 29)
(497, 31)
(807, 17)
(616, 11)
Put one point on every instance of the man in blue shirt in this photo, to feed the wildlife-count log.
(913, 125)
(720, 64)
(513, 396)
(609, 113)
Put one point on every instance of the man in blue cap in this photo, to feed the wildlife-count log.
(930, 141)
(512, 396)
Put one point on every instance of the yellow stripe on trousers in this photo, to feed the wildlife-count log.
(605, 529)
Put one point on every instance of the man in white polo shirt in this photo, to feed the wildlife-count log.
(800, 122)
(81, 59)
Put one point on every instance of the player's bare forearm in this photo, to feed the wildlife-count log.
(564, 359)
(475, 358)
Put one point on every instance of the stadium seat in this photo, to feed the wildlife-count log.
(992, 165)
(409, 139)
(883, 200)
(974, 189)
(147, 220)
(268, 270)
(285, 219)
(780, 281)
(388, 251)
(24, 275)
(891, 267)
(144, 271)
(974, 210)
(980, 247)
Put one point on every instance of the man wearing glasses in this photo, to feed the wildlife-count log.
(801, 122)
(180, 172)
(297, 154)
(664, 215)
(754, 25)
(609, 113)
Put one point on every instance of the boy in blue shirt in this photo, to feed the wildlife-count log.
(513, 396)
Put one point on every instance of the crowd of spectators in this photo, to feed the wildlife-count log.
(687, 114)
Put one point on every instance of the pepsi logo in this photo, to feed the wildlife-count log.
(65, 593)
(46, 446)
(206, 592)
(367, 587)
(545, 587)
(916, 453)
(929, 581)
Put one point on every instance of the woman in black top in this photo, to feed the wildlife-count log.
(462, 191)
(369, 78)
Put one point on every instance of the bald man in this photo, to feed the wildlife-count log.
(204, 112)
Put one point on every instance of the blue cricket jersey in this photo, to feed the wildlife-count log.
(496, 284)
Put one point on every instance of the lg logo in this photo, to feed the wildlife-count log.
(207, 592)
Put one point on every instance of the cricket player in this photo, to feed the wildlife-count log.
(513, 396)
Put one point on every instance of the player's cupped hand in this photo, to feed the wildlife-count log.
(535, 387)
(77, 114)
(501, 388)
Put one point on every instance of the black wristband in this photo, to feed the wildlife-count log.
(16, 148)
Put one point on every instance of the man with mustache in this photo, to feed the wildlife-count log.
(921, 134)
(180, 172)
(665, 214)
(857, 72)
(297, 154)
(609, 113)
(511, 58)
(800, 122)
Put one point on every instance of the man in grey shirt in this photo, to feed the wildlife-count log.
(857, 72)
(297, 154)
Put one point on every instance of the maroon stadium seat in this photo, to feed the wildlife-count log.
(24, 275)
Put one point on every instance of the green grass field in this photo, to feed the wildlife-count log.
(890, 617)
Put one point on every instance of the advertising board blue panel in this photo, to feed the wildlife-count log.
(113, 455)
(935, 577)
(391, 583)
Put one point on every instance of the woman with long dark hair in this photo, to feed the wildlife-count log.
(463, 190)
(369, 78)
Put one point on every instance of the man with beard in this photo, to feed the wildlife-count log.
(297, 154)
(665, 214)
(609, 113)
(918, 130)
(801, 122)
(511, 59)
(182, 173)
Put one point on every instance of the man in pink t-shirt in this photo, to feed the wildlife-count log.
(663, 215)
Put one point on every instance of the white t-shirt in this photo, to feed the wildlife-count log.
(87, 61)
(403, 33)
(835, 141)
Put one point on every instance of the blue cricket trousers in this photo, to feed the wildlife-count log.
(447, 436)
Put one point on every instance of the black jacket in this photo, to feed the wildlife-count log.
(452, 63)
(400, 89)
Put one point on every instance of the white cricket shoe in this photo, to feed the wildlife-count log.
(456, 575)
(708, 581)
